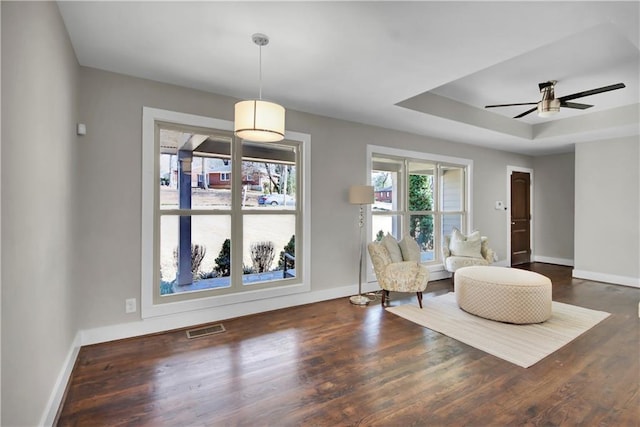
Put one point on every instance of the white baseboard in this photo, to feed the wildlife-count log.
(55, 399)
(438, 275)
(552, 260)
(607, 278)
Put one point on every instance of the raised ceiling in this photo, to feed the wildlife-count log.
(422, 67)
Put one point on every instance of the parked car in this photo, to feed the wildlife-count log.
(277, 199)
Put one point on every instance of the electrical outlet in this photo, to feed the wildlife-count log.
(130, 305)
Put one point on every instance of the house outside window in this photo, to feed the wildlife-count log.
(419, 194)
(225, 176)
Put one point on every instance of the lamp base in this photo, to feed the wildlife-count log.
(359, 300)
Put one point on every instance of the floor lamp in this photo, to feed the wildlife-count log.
(360, 195)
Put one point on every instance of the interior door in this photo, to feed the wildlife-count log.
(520, 218)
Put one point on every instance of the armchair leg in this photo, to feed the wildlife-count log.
(385, 298)
(419, 299)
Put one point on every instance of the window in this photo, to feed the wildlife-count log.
(419, 194)
(207, 237)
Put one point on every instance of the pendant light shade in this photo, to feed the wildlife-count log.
(255, 119)
(261, 121)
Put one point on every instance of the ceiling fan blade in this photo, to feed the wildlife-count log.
(575, 105)
(592, 92)
(510, 105)
(526, 112)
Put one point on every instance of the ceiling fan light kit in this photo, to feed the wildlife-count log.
(550, 105)
(258, 120)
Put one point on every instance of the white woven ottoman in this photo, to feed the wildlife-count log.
(503, 294)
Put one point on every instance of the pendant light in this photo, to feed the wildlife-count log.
(255, 119)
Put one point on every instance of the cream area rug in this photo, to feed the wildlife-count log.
(523, 345)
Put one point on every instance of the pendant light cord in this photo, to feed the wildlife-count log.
(260, 40)
(260, 75)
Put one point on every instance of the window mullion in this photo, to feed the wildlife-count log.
(237, 215)
(405, 214)
(437, 182)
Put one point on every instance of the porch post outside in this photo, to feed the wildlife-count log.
(184, 276)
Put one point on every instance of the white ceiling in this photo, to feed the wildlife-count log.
(423, 67)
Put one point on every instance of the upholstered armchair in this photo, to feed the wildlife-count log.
(395, 274)
(460, 251)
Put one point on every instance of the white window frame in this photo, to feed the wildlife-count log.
(150, 118)
(373, 150)
(225, 176)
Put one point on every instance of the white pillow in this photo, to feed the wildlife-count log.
(467, 246)
(409, 248)
(391, 244)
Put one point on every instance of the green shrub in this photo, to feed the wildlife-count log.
(223, 262)
(290, 248)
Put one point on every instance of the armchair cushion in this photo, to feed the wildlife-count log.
(452, 262)
(379, 256)
(409, 248)
(465, 246)
(391, 244)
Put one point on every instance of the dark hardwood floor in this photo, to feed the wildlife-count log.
(335, 364)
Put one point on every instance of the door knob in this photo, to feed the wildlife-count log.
(513, 223)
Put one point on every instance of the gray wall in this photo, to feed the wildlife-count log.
(110, 190)
(607, 229)
(554, 207)
(39, 108)
(71, 205)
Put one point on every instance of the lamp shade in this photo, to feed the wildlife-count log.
(361, 194)
(259, 121)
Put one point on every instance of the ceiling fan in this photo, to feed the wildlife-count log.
(549, 104)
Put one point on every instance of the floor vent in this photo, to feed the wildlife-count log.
(205, 330)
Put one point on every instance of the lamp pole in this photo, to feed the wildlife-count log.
(360, 299)
(361, 195)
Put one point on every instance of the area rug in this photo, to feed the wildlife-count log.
(522, 345)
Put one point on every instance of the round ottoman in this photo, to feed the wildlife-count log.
(503, 294)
